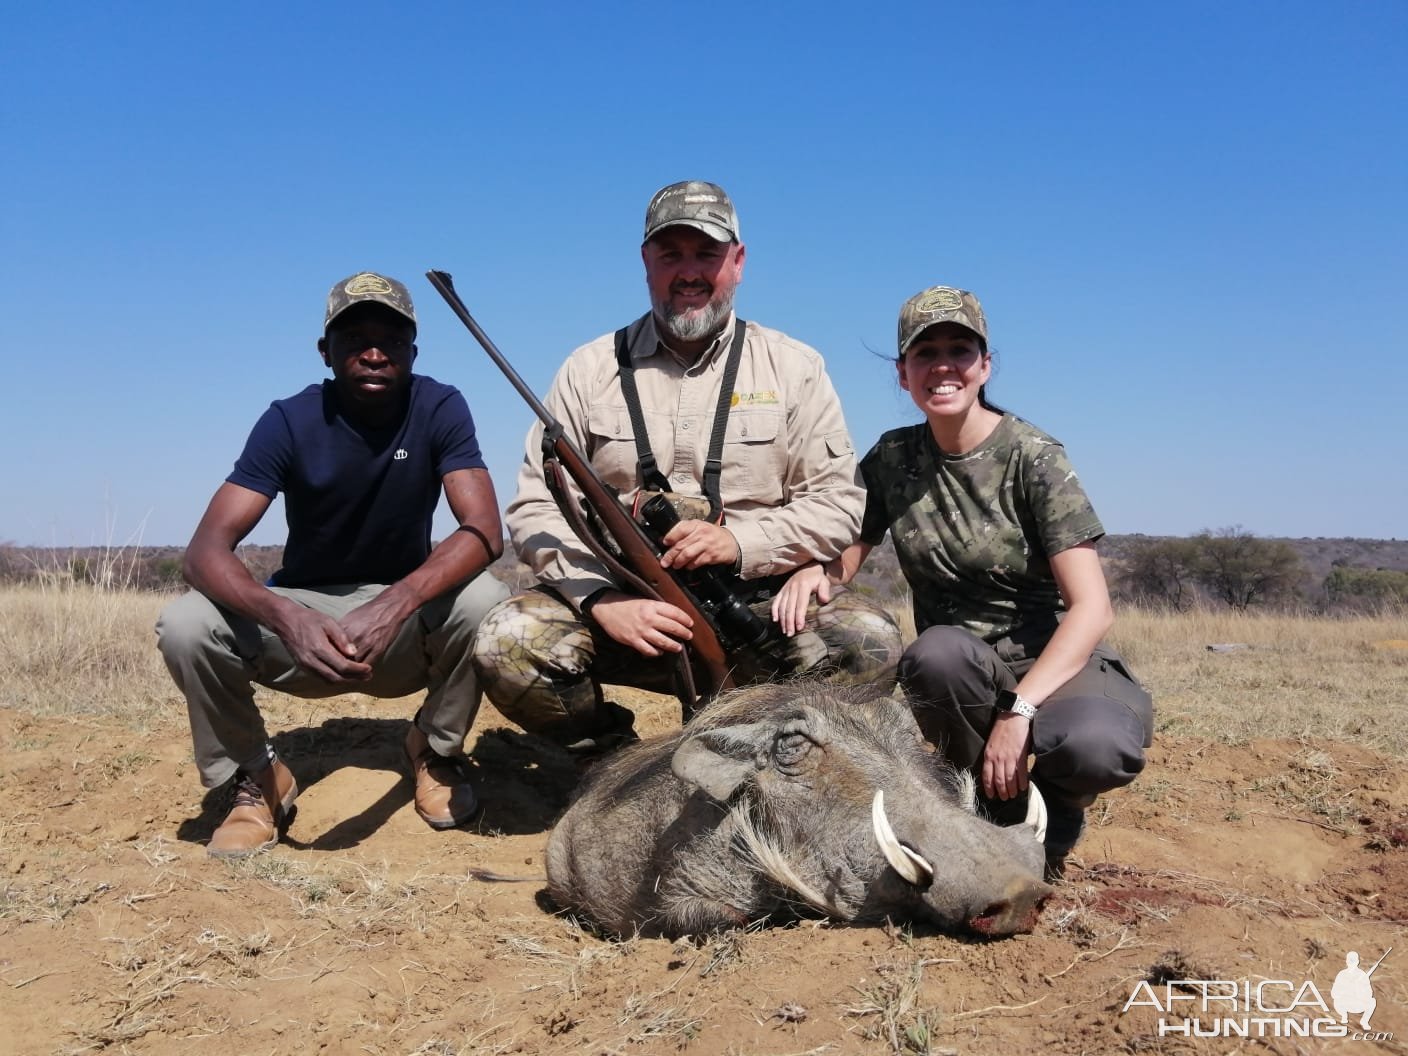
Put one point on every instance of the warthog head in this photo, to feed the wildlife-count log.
(787, 800)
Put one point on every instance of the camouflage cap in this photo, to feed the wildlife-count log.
(694, 203)
(368, 286)
(940, 304)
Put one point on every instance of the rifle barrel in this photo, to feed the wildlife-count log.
(444, 283)
(1380, 961)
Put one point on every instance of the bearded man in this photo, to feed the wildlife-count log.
(732, 420)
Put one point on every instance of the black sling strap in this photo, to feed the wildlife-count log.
(650, 474)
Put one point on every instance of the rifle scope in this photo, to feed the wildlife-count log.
(710, 584)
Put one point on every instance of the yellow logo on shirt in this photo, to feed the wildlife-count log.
(755, 399)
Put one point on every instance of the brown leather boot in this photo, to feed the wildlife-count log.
(444, 796)
(261, 809)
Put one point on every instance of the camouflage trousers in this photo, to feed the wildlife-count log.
(542, 664)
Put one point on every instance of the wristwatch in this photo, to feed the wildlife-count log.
(1012, 702)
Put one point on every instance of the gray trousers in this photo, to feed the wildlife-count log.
(1088, 737)
(215, 656)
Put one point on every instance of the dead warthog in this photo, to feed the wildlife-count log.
(790, 800)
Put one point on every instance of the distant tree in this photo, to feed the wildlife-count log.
(1372, 586)
(1161, 572)
(1243, 570)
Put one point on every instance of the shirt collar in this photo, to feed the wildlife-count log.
(645, 340)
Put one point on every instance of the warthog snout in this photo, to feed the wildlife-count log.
(1015, 914)
(1021, 904)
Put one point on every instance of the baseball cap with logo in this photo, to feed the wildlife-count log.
(940, 304)
(696, 204)
(368, 286)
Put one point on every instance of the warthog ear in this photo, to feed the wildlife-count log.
(718, 761)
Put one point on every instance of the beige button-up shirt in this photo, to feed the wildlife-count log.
(789, 476)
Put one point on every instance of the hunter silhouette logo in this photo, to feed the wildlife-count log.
(1353, 992)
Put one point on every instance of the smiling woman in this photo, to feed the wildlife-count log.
(997, 541)
(945, 370)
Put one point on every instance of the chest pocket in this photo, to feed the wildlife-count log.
(755, 457)
(612, 441)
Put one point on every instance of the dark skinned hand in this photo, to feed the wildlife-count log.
(371, 628)
(319, 644)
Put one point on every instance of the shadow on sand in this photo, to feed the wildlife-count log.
(524, 783)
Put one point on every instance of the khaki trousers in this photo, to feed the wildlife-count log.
(216, 656)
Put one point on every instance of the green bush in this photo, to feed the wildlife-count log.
(1374, 586)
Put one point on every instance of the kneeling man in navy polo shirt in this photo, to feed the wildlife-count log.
(362, 602)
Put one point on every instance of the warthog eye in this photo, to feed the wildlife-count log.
(789, 749)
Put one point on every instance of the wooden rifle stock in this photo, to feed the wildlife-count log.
(639, 553)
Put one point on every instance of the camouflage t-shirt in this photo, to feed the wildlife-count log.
(973, 532)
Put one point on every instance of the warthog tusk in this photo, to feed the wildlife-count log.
(1036, 813)
(904, 861)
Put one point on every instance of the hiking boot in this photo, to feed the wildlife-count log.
(261, 809)
(444, 797)
(620, 732)
(1064, 826)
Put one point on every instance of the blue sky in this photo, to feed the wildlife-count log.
(1188, 225)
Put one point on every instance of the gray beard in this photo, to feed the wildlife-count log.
(695, 324)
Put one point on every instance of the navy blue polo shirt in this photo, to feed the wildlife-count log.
(359, 501)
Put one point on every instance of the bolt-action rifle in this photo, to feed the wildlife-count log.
(704, 594)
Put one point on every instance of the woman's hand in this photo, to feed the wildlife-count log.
(1005, 757)
(790, 604)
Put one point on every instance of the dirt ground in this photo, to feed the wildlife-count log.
(365, 932)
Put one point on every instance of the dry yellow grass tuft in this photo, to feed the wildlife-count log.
(78, 648)
(1297, 677)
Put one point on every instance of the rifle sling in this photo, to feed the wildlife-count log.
(553, 473)
(685, 686)
(650, 474)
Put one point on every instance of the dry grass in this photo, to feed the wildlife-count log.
(75, 649)
(89, 649)
(890, 1010)
(1298, 677)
